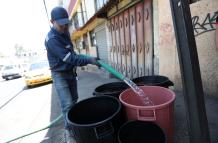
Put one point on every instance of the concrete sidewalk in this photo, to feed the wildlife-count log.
(88, 81)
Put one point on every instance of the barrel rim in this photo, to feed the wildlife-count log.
(149, 107)
(106, 84)
(133, 121)
(100, 122)
(153, 84)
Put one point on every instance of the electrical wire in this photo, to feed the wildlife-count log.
(46, 13)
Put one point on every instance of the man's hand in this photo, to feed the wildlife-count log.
(94, 61)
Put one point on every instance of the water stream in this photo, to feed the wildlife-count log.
(145, 99)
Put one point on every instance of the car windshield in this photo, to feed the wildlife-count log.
(40, 65)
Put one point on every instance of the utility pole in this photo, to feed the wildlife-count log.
(190, 70)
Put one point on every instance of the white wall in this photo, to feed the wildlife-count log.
(90, 8)
(64, 3)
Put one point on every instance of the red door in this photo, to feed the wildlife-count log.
(128, 44)
(140, 38)
(133, 42)
(148, 31)
(114, 43)
(119, 58)
(122, 44)
(111, 46)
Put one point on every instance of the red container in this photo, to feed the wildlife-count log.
(162, 112)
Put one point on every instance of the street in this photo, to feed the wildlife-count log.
(23, 110)
(9, 89)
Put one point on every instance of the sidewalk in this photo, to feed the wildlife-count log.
(88, 81)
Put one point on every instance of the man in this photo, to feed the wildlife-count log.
(63, 61)
(216, 34)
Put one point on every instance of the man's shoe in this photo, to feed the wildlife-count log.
(68, 137)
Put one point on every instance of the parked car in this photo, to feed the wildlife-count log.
(23, 68)
(1, 67)
(10, 72)
(38, 73)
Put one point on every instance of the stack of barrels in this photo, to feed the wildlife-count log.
(114, 115)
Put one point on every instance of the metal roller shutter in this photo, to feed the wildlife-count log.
(101, 40)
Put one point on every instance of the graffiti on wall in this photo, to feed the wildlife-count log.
(205, 25)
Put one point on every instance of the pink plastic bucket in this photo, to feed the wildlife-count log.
(161, 113)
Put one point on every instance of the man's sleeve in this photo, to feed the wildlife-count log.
(66, 55)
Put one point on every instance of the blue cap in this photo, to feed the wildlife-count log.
(60, 15)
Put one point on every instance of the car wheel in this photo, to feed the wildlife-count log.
(28, 86)
(10, 77)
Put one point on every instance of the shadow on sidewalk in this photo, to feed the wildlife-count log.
(55, 134)
(181, 134)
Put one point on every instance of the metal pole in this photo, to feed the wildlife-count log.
(46, 13)
(191, 77)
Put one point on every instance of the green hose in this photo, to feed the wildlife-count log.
(106, 67)
(109, 69)
(49, 126)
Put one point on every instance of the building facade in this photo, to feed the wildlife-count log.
(204, 13)
(137, 37)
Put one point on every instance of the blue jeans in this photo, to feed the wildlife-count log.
(66, 88)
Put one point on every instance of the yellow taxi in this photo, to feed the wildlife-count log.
(38, 73)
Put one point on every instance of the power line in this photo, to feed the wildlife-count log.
(10, 99)
(47, 13)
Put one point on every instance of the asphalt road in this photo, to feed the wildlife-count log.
(9, 89)
(26, 110)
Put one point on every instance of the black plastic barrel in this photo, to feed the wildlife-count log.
(141, 132)
(155, 80)
(111, 89)
(96, 120)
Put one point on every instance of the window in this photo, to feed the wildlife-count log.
(39, 65)
(99, 4)
(76, 21)
(92, 38)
